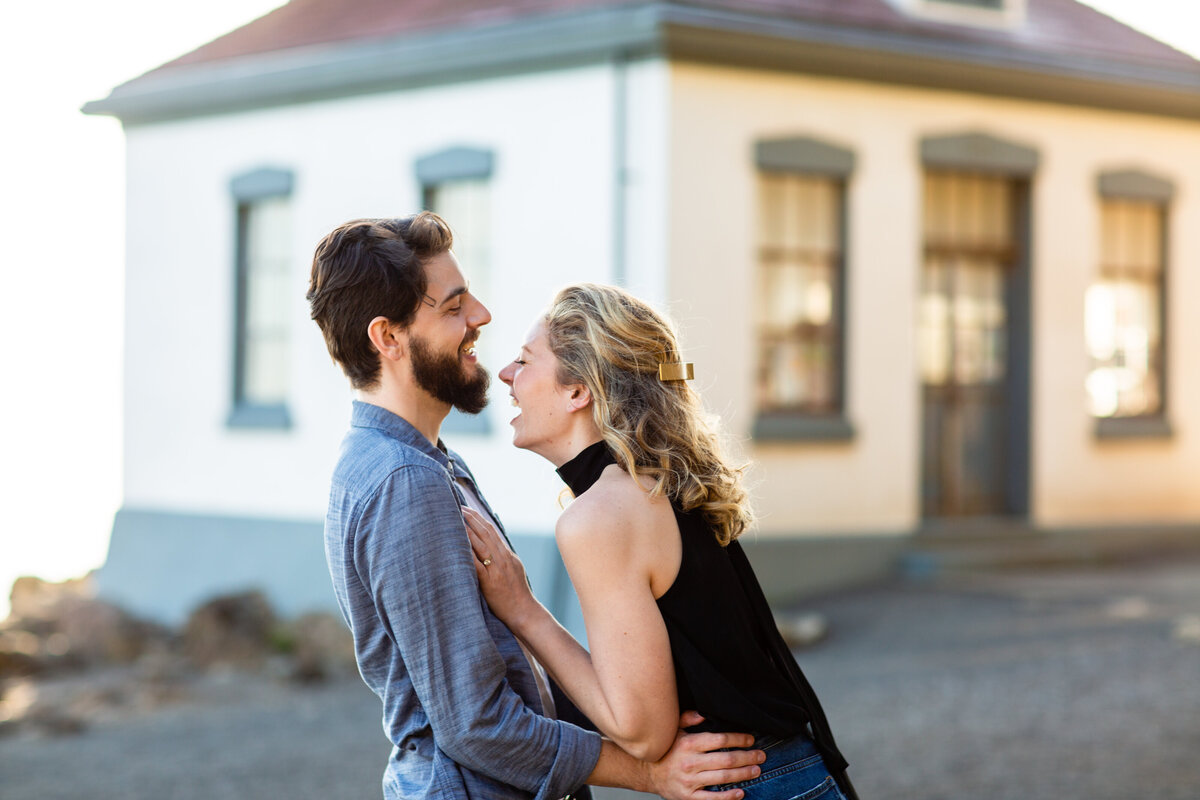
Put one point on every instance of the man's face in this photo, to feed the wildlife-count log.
(442, 338)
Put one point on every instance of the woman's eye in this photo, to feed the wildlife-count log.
(519, 362)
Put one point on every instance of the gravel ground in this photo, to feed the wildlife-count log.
(1079, 685)
(1066, 684)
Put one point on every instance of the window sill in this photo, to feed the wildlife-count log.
(778, 427)
(1133, 428)
(252, 417)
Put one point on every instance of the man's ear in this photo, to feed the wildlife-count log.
(389, 339)
(579, 398)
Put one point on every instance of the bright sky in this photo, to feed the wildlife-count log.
(62, 233)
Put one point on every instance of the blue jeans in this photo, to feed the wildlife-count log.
(794, 770)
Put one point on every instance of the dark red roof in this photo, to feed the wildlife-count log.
(1063, 27)
(310, 22)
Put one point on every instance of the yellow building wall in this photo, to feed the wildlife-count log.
(871, 483)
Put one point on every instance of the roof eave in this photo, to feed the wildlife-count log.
(677, 32)
(929, 62)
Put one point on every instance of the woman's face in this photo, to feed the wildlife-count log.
(544, 421)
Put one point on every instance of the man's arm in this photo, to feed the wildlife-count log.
(695, 760)
(412, 552)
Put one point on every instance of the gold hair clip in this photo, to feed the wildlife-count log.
(676, 371)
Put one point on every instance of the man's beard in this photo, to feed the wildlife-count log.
(442, 376)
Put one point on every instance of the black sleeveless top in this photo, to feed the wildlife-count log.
(731, 664)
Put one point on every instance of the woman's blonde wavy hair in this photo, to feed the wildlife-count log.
(612, 343)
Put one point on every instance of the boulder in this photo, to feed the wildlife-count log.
(56, 626)
(33, 598)
(322, 648)
(801, 629)
(233, 630)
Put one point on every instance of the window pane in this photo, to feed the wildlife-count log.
(997, 4)
(1123, 324)
(799, 243)
(466, 206)
(268, 295)
(266, 370)
(979, 323)
(969, 245)
(934, 327)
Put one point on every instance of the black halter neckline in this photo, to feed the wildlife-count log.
(584, 469)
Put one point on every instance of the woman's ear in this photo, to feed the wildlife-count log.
(387, 338)
(579, 397)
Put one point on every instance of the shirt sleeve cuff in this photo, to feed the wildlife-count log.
(578, 752)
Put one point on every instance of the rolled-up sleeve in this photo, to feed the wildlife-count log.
(413, 554)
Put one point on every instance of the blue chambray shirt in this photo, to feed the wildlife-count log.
(460, 704)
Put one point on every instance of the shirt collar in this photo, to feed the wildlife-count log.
(365, 415)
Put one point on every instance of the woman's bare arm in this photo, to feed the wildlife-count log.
(626, 685)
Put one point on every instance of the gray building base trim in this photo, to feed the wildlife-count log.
(162, 564)
(947, 548)
(795, 567)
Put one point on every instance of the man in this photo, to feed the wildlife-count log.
(468, 711)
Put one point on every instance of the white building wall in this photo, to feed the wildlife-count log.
(552, 135)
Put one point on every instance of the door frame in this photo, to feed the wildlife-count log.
(983, 153)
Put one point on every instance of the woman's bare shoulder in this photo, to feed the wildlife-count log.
(616, 504)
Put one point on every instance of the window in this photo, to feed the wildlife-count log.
(1124, 307)
(801, 331)
(466, 205)
(969, 251)
(263, 289)
(997, 4)
(456, 184)
(996, 14)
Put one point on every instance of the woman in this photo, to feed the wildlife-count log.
(674, 616)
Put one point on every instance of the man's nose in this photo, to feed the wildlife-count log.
(480, 316)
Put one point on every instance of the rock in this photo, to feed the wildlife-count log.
(801, 629)
(98, 632)
(55, 721)
(34, 598)
(20, 654)
(17, 698)
(1128, 608)
(1187, 628)
(72, 628)
(233, 630)
(162, 665)
(27, 705)
(322, 648)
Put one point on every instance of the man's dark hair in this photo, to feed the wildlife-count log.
(369, 268)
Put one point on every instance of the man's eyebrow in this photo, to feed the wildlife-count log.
(461, 290)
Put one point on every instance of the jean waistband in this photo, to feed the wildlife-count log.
(784, 749)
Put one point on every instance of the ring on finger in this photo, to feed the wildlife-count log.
(487, 562)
